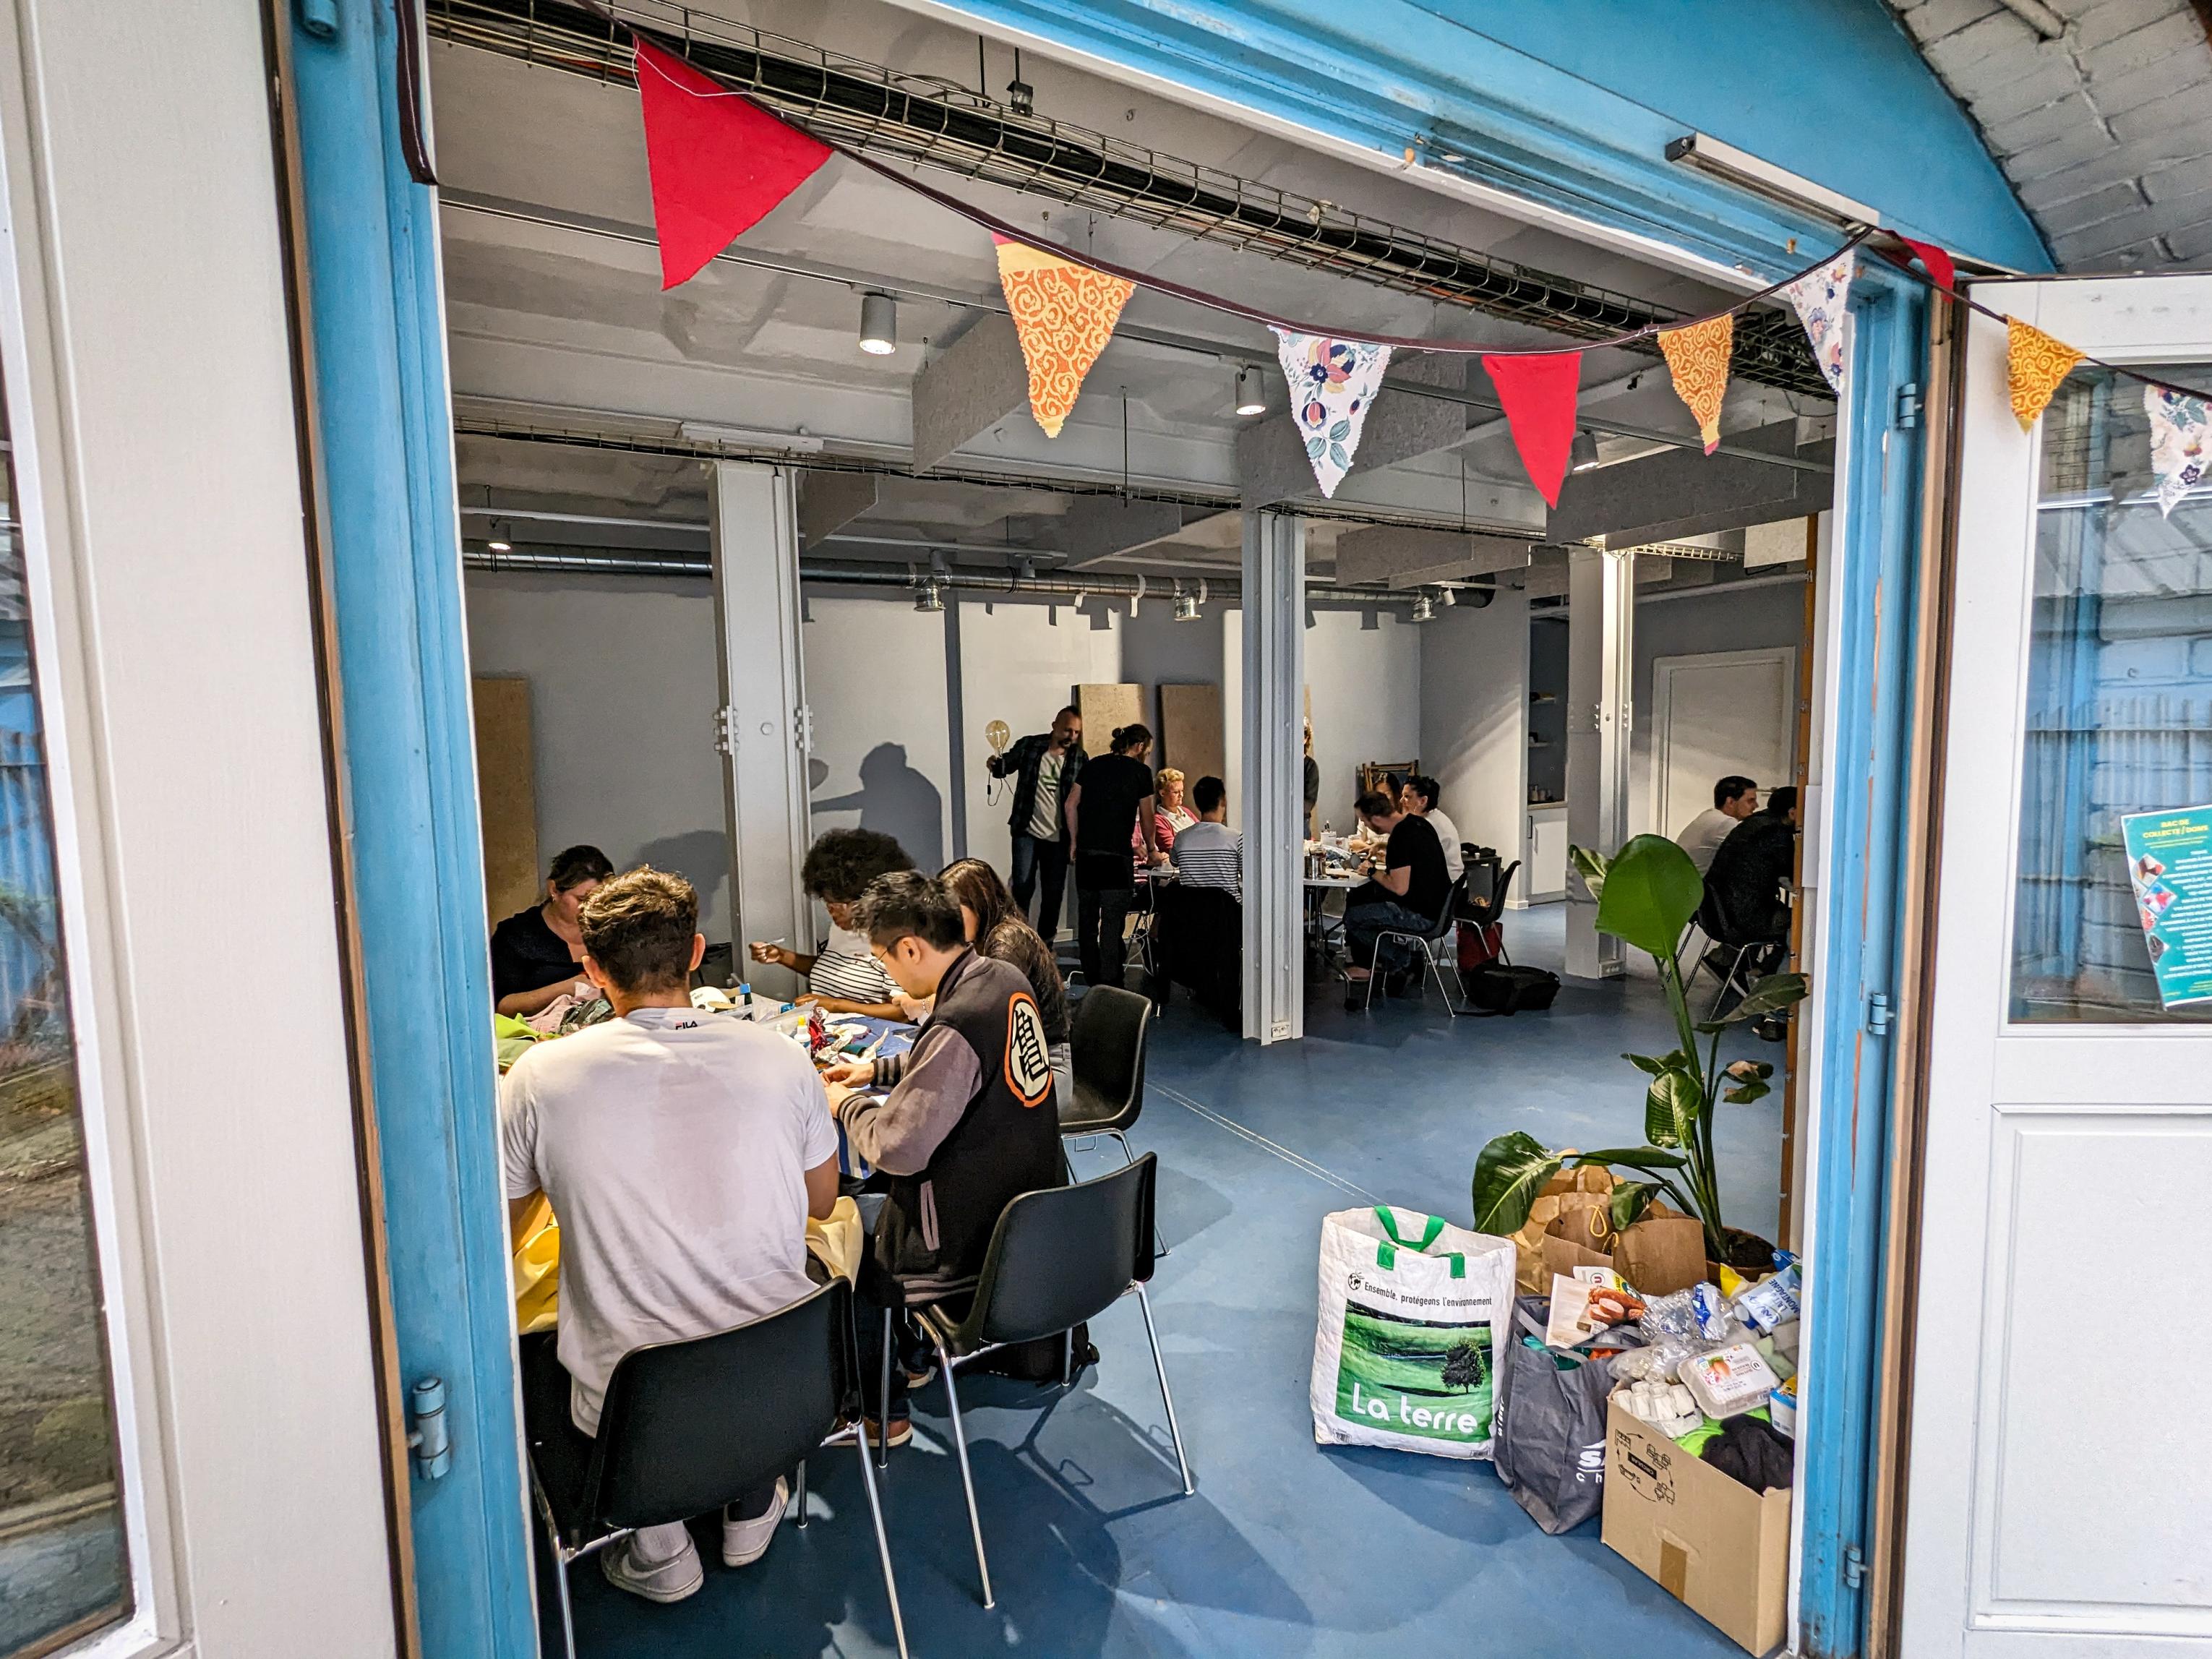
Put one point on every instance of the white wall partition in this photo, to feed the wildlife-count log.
(1366, 697)
(882, 756)
(1474, 717)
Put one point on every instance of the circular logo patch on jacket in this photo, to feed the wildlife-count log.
(1029, 1065)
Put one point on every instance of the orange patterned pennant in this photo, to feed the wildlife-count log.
(2034, 365)
(1065, 313)
(1697, 358)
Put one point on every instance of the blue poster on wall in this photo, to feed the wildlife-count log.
(2170, 868)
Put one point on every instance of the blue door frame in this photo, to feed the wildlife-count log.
(1414, 74)
(375, 309)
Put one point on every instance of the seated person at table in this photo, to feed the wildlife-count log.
(535, 953)
(1000, 932)
(1747, 885)
(968, 1124)
(1410, 894)
(841, 975)
(1209, 853)
(1419, 798)
(1735, 799)
(682, 1154)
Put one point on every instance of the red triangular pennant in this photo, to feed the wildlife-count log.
(719, 162)
(1938, 263)
(1538, 396)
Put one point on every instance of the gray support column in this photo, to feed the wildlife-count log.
(1600, 659)
(763, 729)
(1274, 809)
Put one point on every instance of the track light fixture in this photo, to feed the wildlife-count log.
(1251, 399)
(929, 595)
(1021, 96)
(878, 325)
(1186, 605)
(1582, 454)
(500, 533)
(1425, 608)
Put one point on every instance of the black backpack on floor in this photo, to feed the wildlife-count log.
(1498, 988)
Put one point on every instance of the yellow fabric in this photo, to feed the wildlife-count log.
(1064, 313)
(2034, 365)
(535, 1265)
(1697, 358)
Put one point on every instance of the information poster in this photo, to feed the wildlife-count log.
(2170, 867)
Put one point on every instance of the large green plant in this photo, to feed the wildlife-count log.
(1647, 895)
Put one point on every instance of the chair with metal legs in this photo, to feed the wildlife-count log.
(689, 1426)
(1106, 1041)
(1057, 1258)
(1426, 946)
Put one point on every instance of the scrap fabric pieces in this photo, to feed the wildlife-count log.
(2035, 363)
(1332, 385)
(2180, 443)
(1064, 313)
(1821, 298)
(1697, 358)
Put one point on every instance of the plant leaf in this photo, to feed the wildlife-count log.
(1590, 867)
(1746, 1093)
(1651, 892)
(1634, 1157)
(1630, 1201)
(1742, 1071)
(1769, 995)
(1509, 1172)
(1671, 1108)
(1645, 1063)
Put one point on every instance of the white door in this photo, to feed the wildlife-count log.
(1719, 713)
(2060, 1496)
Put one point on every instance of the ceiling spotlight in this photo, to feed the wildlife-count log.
(1251, 398)
(1447, 598)
(878, 325)
(929, 595)
(1021, 96)
(1425, 608)
(1186, 605)
(1582, 454)
(499, 542)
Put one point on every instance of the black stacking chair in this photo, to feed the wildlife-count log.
(1444, 934)
(1748, 955)
(689, 1426)
(1057, 1258)
(1106, 1044)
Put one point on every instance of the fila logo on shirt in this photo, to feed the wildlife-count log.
(1029, 1067)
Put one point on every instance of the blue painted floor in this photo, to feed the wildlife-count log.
(1287, 1549)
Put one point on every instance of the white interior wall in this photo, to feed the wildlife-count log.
(1366, 687)
(1157, 650)
(1474, 718)
(883, 749)
(623, 686)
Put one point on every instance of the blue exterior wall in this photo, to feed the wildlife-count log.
(1571, 102)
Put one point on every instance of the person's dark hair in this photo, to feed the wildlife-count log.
(572, 866)
(842, 862)
(1375, 804)
(1126, 738)
(1395, 783)
(977, 885)
(1070, 709)
(1730, 787)
(639, 926)
(906, 903)
(1426, 787)
(1208, 792)
(1779, 801)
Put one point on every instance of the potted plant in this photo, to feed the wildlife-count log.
(1647, 895)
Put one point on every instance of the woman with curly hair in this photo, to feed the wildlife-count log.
(844, 975)
(998, 930)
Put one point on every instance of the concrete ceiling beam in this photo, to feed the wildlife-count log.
(1097, 527)
(1406, 558)
(1681, 493)
(968, 388)
(828, 502)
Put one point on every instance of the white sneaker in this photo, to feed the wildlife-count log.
(672, 1580)
(744, 1543)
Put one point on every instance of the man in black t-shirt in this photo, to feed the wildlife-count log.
(1410, 894)
(1111, 801)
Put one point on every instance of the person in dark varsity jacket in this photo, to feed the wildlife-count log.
(960, 1125)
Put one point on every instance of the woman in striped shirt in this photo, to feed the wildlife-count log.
(844, 975)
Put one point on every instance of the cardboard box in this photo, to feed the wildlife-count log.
(1720, 1548)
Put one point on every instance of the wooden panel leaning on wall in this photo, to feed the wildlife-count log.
(506, 794)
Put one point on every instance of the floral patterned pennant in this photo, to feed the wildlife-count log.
(1064, 313)
(1332, 385)
(1697, 358)
(2180, 438)
(1821, 297)
(2034, 365)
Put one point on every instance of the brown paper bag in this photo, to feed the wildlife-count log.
(1562, 1256)
(1660, 1253)
(1584, 1218)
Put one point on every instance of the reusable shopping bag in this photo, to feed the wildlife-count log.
(1551, 1428)
(1406, 1345)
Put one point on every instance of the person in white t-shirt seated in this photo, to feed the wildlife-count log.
(843, 976)
(1735, 799)
(682, 1154)
(1209, 853)
(1420, 797)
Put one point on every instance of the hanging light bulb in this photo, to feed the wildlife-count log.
(929, 597)
(499, 543)
(878, 325)
(1425, 608)
(1582, 454)
(1251, 399)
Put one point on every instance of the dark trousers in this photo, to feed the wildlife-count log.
(1041, 863)
(1363, 925)
(1105, 888)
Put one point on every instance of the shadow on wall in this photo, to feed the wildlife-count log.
(702, 857)
(899, 801)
